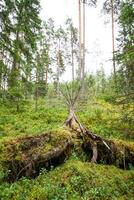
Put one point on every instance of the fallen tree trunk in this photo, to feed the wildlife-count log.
(26, 156)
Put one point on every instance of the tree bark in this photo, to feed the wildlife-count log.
(113, 39)
(36, 90)
(80, 38)
(83, 59)
(72, 55)
(46, 76)
(58, 73)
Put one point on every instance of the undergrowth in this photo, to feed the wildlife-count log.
(100, 117)
(73, 180)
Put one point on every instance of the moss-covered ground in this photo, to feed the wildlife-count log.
(75, 178)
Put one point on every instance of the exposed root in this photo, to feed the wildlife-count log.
(118, 155)
(95, 153)
(28, 155)
(100, 150)
(71, 120)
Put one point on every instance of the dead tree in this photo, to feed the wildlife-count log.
(74, 124)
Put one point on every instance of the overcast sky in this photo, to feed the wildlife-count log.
(98, 34)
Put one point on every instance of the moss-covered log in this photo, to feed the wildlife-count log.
(26, 156)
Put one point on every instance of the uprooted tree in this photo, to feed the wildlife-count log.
(98, 149)
(71, 95)
(26, 156)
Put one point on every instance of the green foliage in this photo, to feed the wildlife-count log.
(108, 119)
(18, 40)
(125, 53)
(50, 115)
(27, 53)
(73, 180)
(101, 117)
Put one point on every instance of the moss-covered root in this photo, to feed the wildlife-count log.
(26, 156)
(121, 153)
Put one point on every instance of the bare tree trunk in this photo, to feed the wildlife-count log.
(72, 52)
(73, 123)
(82, 44)
(1, 72)
(36, 91)
(58, 73)
(80, 56)
(46, 76)
(46, 72)
(113, 39)
(83, 63)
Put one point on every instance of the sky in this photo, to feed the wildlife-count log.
(98, 34)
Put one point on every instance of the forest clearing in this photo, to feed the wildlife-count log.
(66, 133)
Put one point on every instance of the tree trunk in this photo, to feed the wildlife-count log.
(113, 40)
(80, 56)
(15, 69)
(46, 76)
(72, 53)
(83, 59)
(36, 91)
(73, 123)
(58, 74)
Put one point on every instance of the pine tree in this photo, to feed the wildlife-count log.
(60, 54)
(125, 53)
(112, 7)
(82, 29)
(20, 24)
(72, 37)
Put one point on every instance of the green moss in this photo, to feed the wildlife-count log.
(17, 154)
(48, 117)
(127, 144)
(74, 180)
(107, 119)
(30, 144)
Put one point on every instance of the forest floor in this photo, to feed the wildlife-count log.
(37, 135)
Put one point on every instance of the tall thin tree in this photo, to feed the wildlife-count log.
(112, 7)
(113, 38)
(80, 40)
(81, 10)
